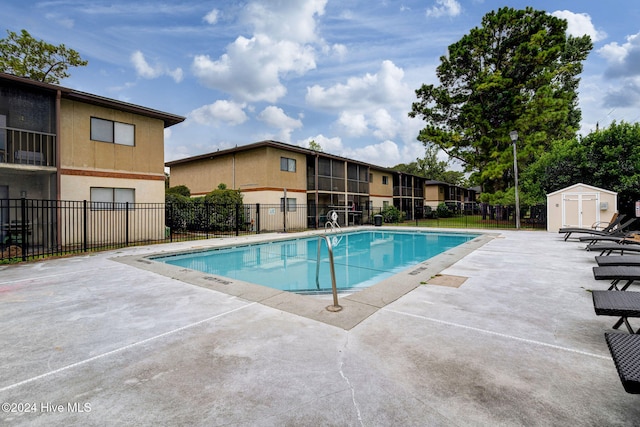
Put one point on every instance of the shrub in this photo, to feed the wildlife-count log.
(443, 211)
(181, 190)
(391, 214)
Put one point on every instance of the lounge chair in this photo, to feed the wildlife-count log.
(614, 236)
(617, 273)
(620, 231)
(609, 248)
(613, 225)
(616, 303)
(625, 351)
(604, 261)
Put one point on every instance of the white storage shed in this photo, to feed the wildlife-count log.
(580, 205)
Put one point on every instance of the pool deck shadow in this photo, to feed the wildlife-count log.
(355, 306)
(517, 344)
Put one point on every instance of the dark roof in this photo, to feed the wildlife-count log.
(269, 143)
(75, 95)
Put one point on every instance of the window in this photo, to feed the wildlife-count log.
(287, 165)
(116, 132)
(370, 177)
(291, 205)
(385, 180)
(111, 198)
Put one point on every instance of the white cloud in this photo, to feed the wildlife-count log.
(444, 8)
(283, 42)
(251, 68)
(368, 92)
(353, 124)
(386, 153)
(623, 73)
(212, 17)
(339, 50)
(285, 20)
(276, 118)
(146, 71)
(386, 126)
(220, 112)
(622, 59)
(328, 145)
(579, 24)
(373, 104)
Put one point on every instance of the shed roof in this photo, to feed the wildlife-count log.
(575, 186)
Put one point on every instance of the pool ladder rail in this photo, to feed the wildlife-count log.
(332, 222)
(335, 307)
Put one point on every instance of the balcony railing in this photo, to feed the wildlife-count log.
(22, 147)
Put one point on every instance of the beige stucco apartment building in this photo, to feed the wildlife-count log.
(270, 172)
(60, 144)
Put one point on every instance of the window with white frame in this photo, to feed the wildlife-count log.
(103, 198)
(291, 204)
(287, 165)
(110, 131)
(385, 180)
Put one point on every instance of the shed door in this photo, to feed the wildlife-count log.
(580, 209)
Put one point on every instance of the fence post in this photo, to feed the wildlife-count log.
(207, 215)
(237, 220)
(85, 231)
(23, 236)
(257, 218)
(126, 224)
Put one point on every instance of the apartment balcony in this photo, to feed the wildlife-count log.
(20, 147)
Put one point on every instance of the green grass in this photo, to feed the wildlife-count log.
(470, 221)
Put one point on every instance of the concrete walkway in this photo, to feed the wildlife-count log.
(88, 340)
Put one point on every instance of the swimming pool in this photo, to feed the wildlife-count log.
(361, 259)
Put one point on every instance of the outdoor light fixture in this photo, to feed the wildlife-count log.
(514, 138)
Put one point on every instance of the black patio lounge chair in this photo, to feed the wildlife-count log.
(613, 237)
(617, 273)
(620, 231)
(625, 351)
(609, 248)
(612, 227)
(604, 261)
(616, 303)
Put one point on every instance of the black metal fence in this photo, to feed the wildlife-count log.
(33, 229)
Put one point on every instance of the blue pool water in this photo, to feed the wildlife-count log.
(361, 259)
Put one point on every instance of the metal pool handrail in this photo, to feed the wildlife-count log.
(332, 222)
(335, 307)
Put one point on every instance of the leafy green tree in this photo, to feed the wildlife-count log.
(431, 167)
(25, 56)
(608, 158)
(564, 164)
(518, 71)
(313, 145)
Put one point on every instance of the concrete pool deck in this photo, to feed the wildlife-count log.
(92, 340)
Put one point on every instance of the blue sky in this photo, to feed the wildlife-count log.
(342, 73)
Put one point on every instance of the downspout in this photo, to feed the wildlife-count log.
(58, 171)
(58, 165)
